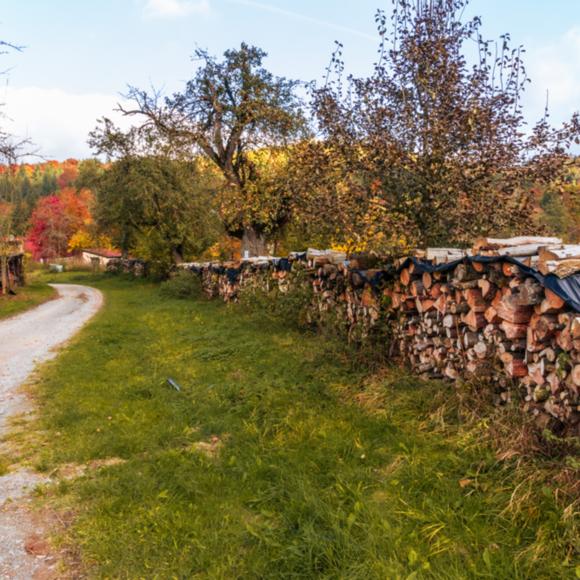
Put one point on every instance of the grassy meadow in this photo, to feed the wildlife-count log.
(277, 458)
(33, 294)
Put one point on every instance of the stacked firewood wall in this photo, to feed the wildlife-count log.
(137, 268)
(492, 321)
(15, 270)
(484, 315)
(348, 294)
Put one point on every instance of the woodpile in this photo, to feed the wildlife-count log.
(443, 255)
(487, 312)
(13, 272)
(493, 319)
(133, 267)
(264, 274)
(547, 255)
(347, 293)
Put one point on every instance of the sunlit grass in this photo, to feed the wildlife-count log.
(275, 459)
(26, 297)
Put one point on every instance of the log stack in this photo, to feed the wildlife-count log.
(132, 266)
(494, 320)
(228, 280)
(12, 262)
(347, 293)
(548, 255)
(487, 312)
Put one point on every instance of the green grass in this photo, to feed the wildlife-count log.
(3, 466)
(305, 483)
(29, 296)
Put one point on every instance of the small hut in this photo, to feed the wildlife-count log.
(99, 258)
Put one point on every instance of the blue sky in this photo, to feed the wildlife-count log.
(80, 55)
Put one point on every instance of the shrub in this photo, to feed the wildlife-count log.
(288, 307)
(182, 285)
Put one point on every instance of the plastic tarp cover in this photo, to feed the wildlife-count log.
(566, 288)
(375, 280)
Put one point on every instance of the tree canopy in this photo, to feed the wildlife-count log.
(149, 200)
(418, 152)
(229, 110)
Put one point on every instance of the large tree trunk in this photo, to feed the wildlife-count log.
(253, 243)
(125, 244)
(177, 254)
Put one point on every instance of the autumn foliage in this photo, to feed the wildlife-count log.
(55, 220)
(419, 152)
(50, 206)
(412, 155)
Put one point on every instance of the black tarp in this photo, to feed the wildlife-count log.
(233, 275)
(376, 279)
(566, 288)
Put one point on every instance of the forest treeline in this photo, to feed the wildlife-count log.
(48, 206)
(57, 212)
(432, 148)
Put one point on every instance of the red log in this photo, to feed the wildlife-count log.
(512, 330)
(516, 368)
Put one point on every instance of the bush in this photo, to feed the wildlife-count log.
(182, 285)
(288, 307)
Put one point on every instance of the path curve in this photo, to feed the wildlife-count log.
(25, 341)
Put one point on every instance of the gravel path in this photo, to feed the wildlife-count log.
(25, 341)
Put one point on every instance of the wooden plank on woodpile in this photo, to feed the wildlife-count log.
(562, 268)
(526, 250)
(495, 243)
(557, 253)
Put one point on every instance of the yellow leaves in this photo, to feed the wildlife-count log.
(375, 237)
(227, 248)
(82, 239)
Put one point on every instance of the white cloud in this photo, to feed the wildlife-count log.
(57, 122)
(555, 68)
(175, 8)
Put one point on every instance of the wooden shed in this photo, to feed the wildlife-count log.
(99, 257)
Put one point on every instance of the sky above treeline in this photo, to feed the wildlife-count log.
(79, 56)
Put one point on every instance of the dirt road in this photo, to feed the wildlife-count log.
(25, 341)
